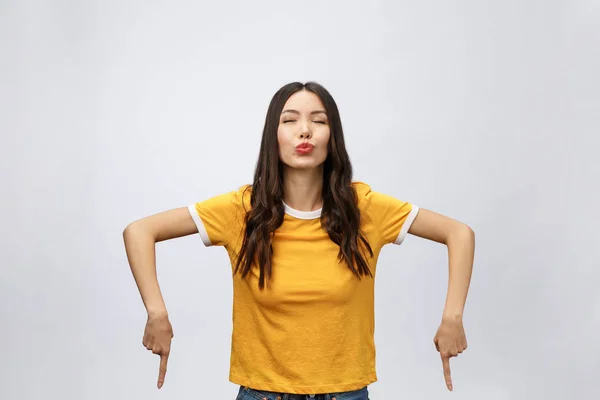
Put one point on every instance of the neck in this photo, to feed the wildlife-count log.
(303, 188)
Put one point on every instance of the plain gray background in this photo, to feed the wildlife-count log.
(485, 111)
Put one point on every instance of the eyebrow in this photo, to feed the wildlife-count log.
(313, 112)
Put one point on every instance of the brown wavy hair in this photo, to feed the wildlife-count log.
(340, 216)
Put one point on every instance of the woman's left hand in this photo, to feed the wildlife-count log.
(450, 340)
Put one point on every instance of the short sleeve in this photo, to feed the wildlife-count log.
(219, 218)
(392, 217)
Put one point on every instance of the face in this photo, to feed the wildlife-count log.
(303, 132)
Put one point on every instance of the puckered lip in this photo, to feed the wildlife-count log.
(305, 146)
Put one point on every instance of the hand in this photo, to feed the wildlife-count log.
(450, 341)
(157, 338)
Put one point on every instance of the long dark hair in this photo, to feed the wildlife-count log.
(340, 216)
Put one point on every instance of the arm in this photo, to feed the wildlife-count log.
(450, 338)
(460, 240)
(140, 238)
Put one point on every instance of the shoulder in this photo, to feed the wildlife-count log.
(241, 196)
(369, 198)
(362, 189)
(237, 198)
(364, 195)
(243, 191)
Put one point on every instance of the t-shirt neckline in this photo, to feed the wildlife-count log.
(302, 214)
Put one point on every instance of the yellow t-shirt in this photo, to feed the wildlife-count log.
(312, 329)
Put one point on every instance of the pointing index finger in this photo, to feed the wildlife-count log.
(447, 377)
(162, 370)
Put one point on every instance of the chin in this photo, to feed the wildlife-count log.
(305, 165)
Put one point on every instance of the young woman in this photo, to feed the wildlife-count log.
(303, 241)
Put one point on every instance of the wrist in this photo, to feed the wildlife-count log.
(157, 313)
(452, 316)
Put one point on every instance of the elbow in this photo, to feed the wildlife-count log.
(461, 233)
(469, 236)
(128, 231)
(131, 229)
(465, 230)
(138, 228)
(469, 231)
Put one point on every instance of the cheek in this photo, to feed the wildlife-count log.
(282, 138)
(324, 139)
(287, 137)
(285, 146)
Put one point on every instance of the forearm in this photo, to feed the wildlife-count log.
(140, 247)
(461, 251)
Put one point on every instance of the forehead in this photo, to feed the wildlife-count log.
(304, 101)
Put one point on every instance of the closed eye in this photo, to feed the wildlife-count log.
(293, 120)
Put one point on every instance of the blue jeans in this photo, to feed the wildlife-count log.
(245, 393)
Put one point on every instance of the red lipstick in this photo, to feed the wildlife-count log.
(304, 148)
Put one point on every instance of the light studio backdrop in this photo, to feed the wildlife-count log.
(486, 111)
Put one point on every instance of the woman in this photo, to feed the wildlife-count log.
(303, 241)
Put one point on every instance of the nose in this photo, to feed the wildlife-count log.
(305, 132)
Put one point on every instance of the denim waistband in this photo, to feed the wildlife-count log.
(246, 393)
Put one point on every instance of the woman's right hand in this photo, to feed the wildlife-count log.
(157, 338)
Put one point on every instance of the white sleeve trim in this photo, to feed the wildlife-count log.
(199, 225)
(409, 220)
